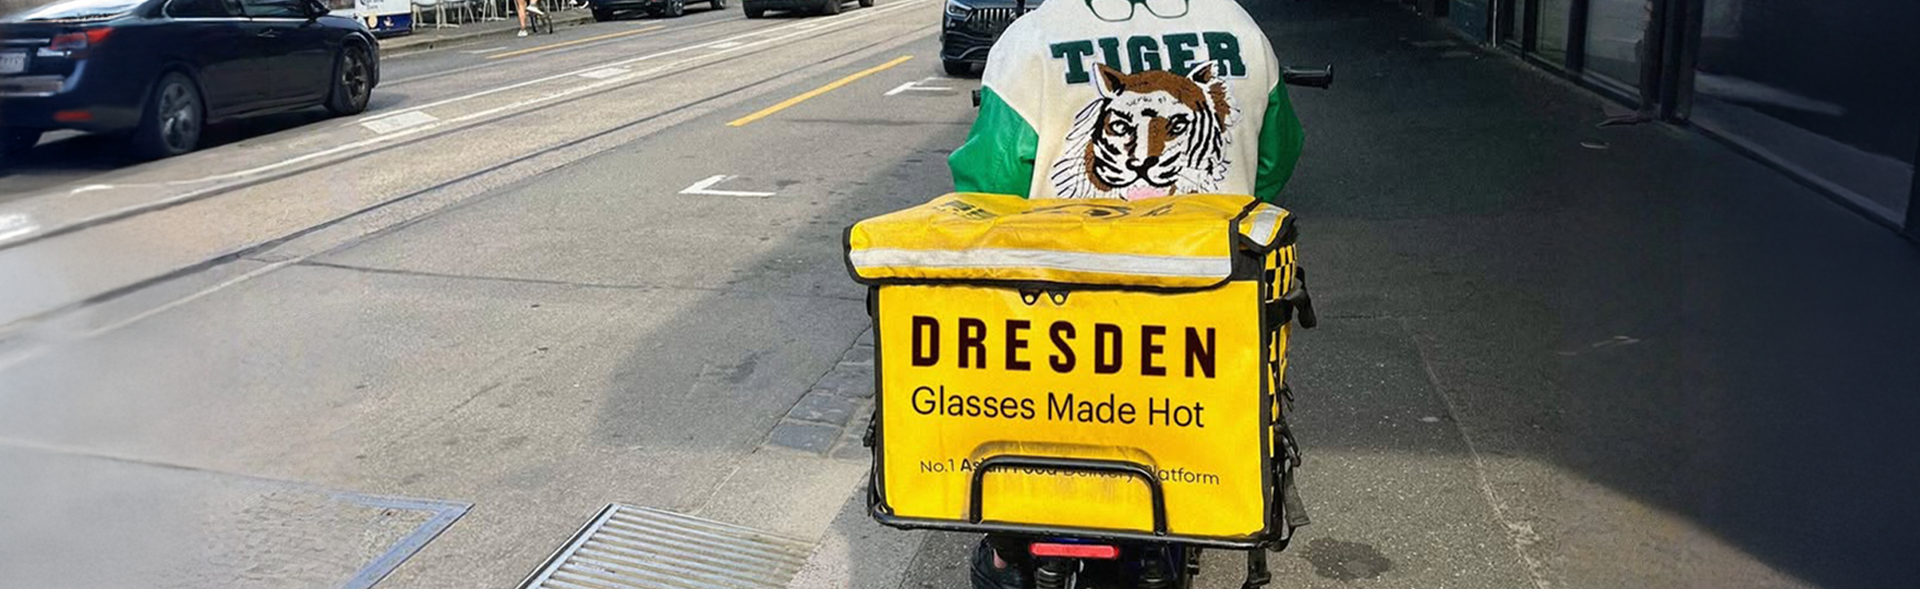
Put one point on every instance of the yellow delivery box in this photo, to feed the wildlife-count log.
(1098, 367)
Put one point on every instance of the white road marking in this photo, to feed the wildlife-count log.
(834, 21)
(705, 188)
(15, 225)
(401, 121)
(916, 87)
(812, 24)
(524, 103)
(484, 51)
(726, 45)
(604, 73)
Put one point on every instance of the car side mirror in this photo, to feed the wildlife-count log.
(316, 10)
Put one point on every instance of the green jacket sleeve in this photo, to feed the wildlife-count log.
(999, 152)
(1280, 141)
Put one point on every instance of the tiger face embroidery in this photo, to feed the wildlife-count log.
(1149, 134)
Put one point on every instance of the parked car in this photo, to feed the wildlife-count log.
(969, 28)
(759, 8)
(603, 9)
(159, 70)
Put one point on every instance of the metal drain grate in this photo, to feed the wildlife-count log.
(627, 547)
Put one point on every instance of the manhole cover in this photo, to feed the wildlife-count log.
(627, 547)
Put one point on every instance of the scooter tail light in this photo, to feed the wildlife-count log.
(1087, 551)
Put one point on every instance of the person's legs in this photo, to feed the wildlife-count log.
(520, 10)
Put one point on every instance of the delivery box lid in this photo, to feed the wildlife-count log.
(1185, 241)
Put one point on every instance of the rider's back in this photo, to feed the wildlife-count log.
(1106, 98)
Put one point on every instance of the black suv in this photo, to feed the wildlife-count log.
(971, 26)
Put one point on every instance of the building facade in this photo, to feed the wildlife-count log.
(1826, 91)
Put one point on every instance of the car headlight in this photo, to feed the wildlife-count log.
(958, 11)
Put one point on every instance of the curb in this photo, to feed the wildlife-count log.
(417, 42)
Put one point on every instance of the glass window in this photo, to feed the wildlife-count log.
(1827, 87)
(1554, 18)
(77, 9)
(275, 8)
(202, 9)
(1616, 39)
(1470, 16)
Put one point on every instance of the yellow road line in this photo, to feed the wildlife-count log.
(817, 91)
(575, 42)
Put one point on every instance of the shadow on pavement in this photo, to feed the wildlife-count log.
(67, 157)
(1659, 316)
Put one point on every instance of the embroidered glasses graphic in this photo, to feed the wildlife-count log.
(1123, 10)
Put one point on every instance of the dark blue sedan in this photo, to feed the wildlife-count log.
(159, 70)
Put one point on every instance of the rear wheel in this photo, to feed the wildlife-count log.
(719, 4)
(830, 7)
(15, 142)
(866, 3)
(675, 8)
(956, 68)
(173, 119)
(756, 12)
(353, 84)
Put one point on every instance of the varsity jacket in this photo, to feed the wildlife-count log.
(1131, 99)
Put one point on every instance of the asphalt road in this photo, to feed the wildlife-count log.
(545, 274)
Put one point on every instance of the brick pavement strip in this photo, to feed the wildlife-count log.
(831, 419)
(823, 408)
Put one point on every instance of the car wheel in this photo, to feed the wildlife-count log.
(719, 4)
(173, 119)
(16, 143)
(353, 84)
(956, 68)
(675, 8)
(866, 3)
(602, 15)
(756, 12)
(830, 7)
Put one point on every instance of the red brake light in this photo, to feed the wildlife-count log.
(79, 40)
(1093, 551)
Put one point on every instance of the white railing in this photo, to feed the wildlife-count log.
(453, 13)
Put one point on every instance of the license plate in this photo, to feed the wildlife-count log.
(13, 62)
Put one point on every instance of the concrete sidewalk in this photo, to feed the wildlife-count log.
(426, 37)
(1553, 355)
(1672, 366)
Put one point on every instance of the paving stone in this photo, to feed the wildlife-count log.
(866, 338)
(848, 380)
(823, 408)
(862, 414)
(858, 356)
(811, 437)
